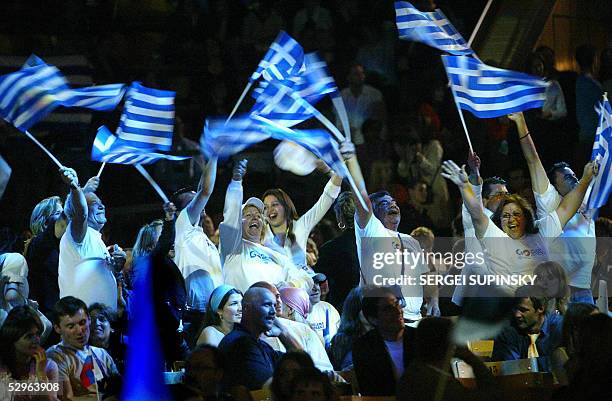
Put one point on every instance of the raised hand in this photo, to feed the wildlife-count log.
(169, 211)
(92, 184)
(473, 162)
(41, 363)
(591, 169)
(69, 176)
(454, 173)
(347, 149)
(240, 169)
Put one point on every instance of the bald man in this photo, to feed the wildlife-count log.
(248, 361)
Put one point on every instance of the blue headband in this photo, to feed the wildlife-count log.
(218, 294)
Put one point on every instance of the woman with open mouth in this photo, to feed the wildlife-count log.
(287, 231)
(514, 242)
(245, 258)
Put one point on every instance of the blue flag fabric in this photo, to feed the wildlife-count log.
(602, 183)
(110, 149)
(430, 28)
(148, 118)
(282, 105)
(489, 92)
(30, 94)
(284, 58)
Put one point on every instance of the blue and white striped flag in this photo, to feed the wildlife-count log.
(147, 120)
(223, 139)
(284, 58)
(430, 28)
(110, 149)
(489, 92)
(30, 94)
(280, 104)
(602, 184)
(312, 84)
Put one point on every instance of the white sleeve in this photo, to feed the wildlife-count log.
(230, 229)
(317, 212)
(182, 225)
(466, 217)
(294, 275)
(547, 202)
(549, 226)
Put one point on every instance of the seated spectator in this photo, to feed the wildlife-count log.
(312, 385)
(203, 375)
(352, 325)
(296, 304)
(431, 295)
(431, 366)
(223, 310)
(288, 367)
(83, 369)
(552, 280)
(381, 355)
(21, 356)
(104, 335)
(323, 318)
(532, 333)
(249, 361)
(572, 320)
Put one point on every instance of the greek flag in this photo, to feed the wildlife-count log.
(312, 84)
(430, 28)
(284, 58)
(282, 105)
(148, 118)
(602, 183)
(110, 149)
(30, 94)
(489, 92)
(224, 140)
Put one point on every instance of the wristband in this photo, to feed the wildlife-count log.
(524, 136)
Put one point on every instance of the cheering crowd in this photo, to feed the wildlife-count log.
(271, 303)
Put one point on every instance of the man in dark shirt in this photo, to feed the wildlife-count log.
(532, 332)
(249, 361)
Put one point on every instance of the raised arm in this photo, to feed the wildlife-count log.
(205, 188)
(230, 229)
(539, 179)
(348, 152)
(572, 201)
(77, 205)
(473, 204)
(331, 191)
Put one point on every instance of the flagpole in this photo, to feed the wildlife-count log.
(244, 92)
(341, 110)
(467, 135)
(477, 27)
(151, 181)
(40, 145)
(328, 124)
(101, 168)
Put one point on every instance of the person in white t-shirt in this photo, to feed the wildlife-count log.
(244, 257)
(323, 318)
(82, 240)
(290, 233)
(575, 247)
(514, 242)
(376, 235)
(196, 255)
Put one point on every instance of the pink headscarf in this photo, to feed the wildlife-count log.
(297, 299)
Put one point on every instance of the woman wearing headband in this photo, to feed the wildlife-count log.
(224, 309)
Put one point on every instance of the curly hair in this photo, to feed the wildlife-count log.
(42, 211)
(345, 208)
(521, 202)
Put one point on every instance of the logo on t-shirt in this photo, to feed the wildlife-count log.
(526, 253)
(264, 258)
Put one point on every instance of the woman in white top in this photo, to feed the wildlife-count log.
(514, 242)
(244, 257)
(224, 309)
(288, 231)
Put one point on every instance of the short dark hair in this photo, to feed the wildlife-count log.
(490, 181)
(202, 348)
(314, 375)
(433, 338)
(371, 298)
(530, 227)
(178, 198)
(68, 306)
(377, 195)
(102, 309)
(585, 56)
(535, 294)
(553, 170)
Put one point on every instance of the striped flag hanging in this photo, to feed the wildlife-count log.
(223, 139)
(430, 28)
(32, 93)
(284, 58)
(602, 183)
(110, 149)
(489, 92)
(147, 120)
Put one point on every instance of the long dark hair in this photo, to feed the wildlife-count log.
(350, 327)
(521, 202)
(287, 204)
(19, 321)
(212, 317)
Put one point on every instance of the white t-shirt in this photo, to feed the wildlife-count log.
(245, 262)
(506, 256)
(396, 352)
(375, 238)
(195, 253)
(72, 253)
(15, 267)
(324, 319)
(302, 227)
(574, 249)
(309, 340)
